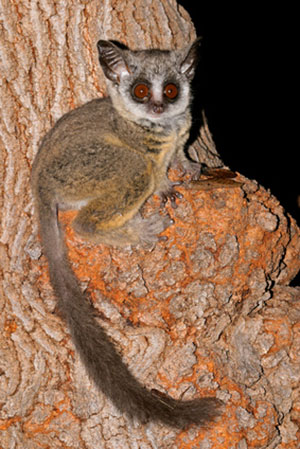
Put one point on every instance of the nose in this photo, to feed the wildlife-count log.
(157, 108)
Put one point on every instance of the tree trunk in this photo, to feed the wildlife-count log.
(208, 312)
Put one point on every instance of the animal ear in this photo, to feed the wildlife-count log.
(190, 59)
(112, 61)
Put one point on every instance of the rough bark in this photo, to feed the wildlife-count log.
(209, 311)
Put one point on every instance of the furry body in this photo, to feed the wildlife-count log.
(105, 159)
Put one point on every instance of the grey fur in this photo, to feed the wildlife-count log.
(105, 159)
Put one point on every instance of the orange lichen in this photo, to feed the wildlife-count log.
(6, 423)
(281, 332)
(10, 326)
(212, 217)
(43, 426)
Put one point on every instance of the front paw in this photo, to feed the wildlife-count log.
(192, 169)
(170, 194)
(151, 227)
(187, 167)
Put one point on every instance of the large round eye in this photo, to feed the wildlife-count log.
(141, 91)
(171, 91)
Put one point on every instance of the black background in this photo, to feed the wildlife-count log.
(245, 86)
(242, 84)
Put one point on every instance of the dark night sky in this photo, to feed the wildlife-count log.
(243, 85)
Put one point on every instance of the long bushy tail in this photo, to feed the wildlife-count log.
(102, 361)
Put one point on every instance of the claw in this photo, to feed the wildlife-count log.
(162, 238)
(171, 194)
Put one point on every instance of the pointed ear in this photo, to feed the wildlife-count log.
(190, 59)
(112, 61)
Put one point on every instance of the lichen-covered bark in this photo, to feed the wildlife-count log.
(209, 311)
